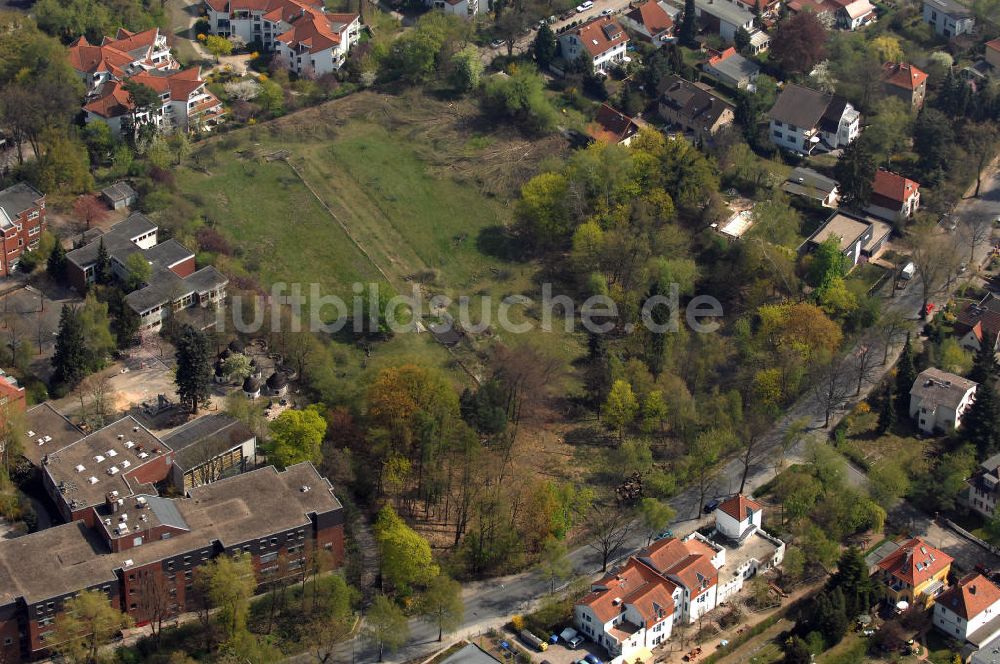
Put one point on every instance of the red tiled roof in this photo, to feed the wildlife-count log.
(633, 578)
(266, 6)
(893, 187)
(696, 573)
(903, 75)
(128, 41)
(739, 505)
(316, 31)
(612, 126)
(993, 45)
(600, 35)
(970, 596)
(654, 602)
(113, 100)
(915, 562)
(651, 15)
(722, 56)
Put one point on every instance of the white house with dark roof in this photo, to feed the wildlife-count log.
(731, 68)
(856, 237)
(984, 487)
(601, 39)
(979, 323)
(855, 14)
(804, 120)
(938, 400)
(948, 17)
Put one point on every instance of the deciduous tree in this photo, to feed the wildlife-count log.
(385, 626)
(298, 436)
(441, 604)
(86, 623)
(89, 209)
(404, 555)
(799, 43)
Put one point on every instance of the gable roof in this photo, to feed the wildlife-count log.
(903, 75)
(613, 591)
(652, 16)
(951, 8)
(800, 106)
(19, 197)
(858, 8)
(915, 562)
(115, 55)
(692, 101)
(204, 438)
(994, 44)
(600, 35)
(612, 126)
(893, 187)
(740, 507)
(982, 318)
(112, 100)
(807, 182)
(970, 596)
(732, 64)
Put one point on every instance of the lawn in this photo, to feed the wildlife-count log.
(866, 276)
(407, 189)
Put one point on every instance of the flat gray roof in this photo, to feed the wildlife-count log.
(847, 229)
(726, 11)
(206, 437)
(43, 422)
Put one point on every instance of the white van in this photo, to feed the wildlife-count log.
(585, 6)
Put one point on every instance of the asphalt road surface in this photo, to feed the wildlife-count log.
(491, 603)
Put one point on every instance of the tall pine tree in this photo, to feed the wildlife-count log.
(71, 357)
(981, 423)
(855, 171)
(102, 267)
(984, 369)
(689, 25)
(852, 579)
(56, 265)
(194, 368)
(887, 412)
(906, 373)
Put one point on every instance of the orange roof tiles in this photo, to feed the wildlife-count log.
(315, 30)
(631, 578)
(651, 15)
(695, 572)
(600, 35)
(113, 100)
(739, 507)
(893, 187)
(915, 562)
(993, 45)
(970, 596)
(903, 75)
(612, 126)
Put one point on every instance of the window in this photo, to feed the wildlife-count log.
(33, 215)
(269, 557)
(34, 230)
(8, 641)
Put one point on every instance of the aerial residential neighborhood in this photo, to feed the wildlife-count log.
(473, 332)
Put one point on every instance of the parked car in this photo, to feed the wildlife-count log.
(496, 43)
(592, 659)
(666, 534)
(584, 6)
(607, 12)
(711, 505)
(571, 637)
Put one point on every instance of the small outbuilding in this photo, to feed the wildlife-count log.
(220, 373)
(251, 387)
(119, 195)
(277, 384)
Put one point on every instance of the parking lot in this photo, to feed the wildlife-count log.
(560, 654)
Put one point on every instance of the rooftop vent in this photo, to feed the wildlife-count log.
(99, 458)
(80, 468)
(31, 434)
(121, 436)
(92, 479)
(616, 601)
(305, 488)
(129, 445)
(129, 563)
(112, 453)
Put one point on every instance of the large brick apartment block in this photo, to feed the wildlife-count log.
(121, 533)
(174, 284)
(22, 221)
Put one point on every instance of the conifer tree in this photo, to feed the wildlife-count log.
(194, 368)
(906, 373)
(71, 356)
(981, 424)
(984, 368)
(56, 264)
(887, 413)
(102, 268)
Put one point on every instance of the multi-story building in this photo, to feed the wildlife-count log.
(128, 54)
(22, 221)
(893, 196)
(600, 40)
(856, 237)
(939, 400)
(979, 323)
(303, 36)
(636, 606)
(969, 610)
(185, 102)
(141, 543)
(461, 8)
(948, 17)
(914, 573)
(803, 120)
(906, 82)
(174, 285)
(11, 396)
(144, 57)
(210, 448)
(694, 108)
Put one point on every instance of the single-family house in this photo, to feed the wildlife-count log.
(815, 186)
(824, 10)
(857, 238)
(948, 18)
(727, 17)
(893, 196)
(992, 53)
(804, 120)
(914, 573)
(906, 82)
(461, 8)
(855, 14)
(652, 21)
(730, 68)
(984, 487)
(119, 195)
(979, 323)
(22, 222)
(602, 40)
(612, 126)
(694, 108)
(969, 610)
(635, 606)
(938, 400)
